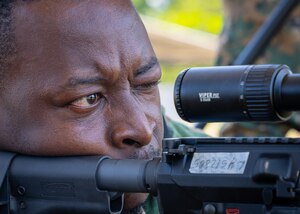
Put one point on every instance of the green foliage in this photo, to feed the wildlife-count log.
(171, 71)
(199, 14)
(205, 15)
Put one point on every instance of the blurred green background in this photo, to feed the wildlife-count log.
(203, 15)
(198, 15)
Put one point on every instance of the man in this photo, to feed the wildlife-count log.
(79, 78)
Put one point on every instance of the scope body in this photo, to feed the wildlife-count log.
(237, 93)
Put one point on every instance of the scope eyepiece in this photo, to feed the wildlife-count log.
(237, 93)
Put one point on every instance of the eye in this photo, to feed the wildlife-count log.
(86, 101)
(148, 85)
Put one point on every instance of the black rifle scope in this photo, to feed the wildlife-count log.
(237, 93)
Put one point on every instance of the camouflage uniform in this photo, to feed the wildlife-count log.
(242, 20)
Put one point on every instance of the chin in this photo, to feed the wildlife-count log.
(132, 200)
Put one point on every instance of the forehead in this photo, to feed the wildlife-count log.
(80, 15)
(91, 30)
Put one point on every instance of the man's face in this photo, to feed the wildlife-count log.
(84, 82)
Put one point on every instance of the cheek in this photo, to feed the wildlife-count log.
(86, 137)
(64, 137)
(152, 107)
(149, 101)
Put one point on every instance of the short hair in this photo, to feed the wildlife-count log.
(7, 39)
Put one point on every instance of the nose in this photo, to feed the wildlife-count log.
(133, 127)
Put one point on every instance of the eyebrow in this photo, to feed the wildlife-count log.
(153, 61)
(72, 82)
